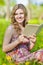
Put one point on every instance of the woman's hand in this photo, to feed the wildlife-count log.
(32, 41)
(33, 38)
(23, 39)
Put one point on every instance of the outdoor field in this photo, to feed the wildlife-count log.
(35, 16)
(38, 45)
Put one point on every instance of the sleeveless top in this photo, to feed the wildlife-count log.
(20, 50)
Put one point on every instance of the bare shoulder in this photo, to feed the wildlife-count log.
(8, 34)
(9, 30)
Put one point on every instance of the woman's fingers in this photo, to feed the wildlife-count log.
(25, 40)
(21, 37)
(33, 40)
(32, 36)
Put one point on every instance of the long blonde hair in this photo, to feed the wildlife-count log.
(16, 25)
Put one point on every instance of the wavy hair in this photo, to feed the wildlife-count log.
(13, 21)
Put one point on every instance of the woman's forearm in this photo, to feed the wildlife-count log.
(10, 46)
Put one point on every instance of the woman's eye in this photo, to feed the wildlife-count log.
(21, 13)
(18, 13)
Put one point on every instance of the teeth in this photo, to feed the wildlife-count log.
(19, 19)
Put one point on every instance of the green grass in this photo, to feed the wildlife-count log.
(39, 37)
(3, 25)
(39, 42)
(35, 21)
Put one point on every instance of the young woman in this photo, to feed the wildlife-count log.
(15, 44)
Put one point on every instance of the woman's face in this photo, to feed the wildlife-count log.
(19, 15)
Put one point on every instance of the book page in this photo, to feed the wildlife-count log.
(31, 29)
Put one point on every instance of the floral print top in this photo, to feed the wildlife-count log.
(19, 51)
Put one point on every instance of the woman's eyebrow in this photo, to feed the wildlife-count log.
(19, 13)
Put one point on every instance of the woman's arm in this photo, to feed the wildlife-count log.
(7, 46)
(32, 41)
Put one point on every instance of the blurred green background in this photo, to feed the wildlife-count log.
(35, 16)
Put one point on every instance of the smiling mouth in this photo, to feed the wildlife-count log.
(19, 19)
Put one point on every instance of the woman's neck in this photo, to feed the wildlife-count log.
(21, 26)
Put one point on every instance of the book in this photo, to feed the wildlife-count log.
(31, 29)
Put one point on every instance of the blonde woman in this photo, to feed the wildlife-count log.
(15, 43)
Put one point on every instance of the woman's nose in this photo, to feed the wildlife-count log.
(19, 16)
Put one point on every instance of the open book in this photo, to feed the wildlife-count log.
(32, 29)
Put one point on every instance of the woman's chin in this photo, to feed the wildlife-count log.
(19, 21)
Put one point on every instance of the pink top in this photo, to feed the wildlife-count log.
(22, 51)
(19, 51)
